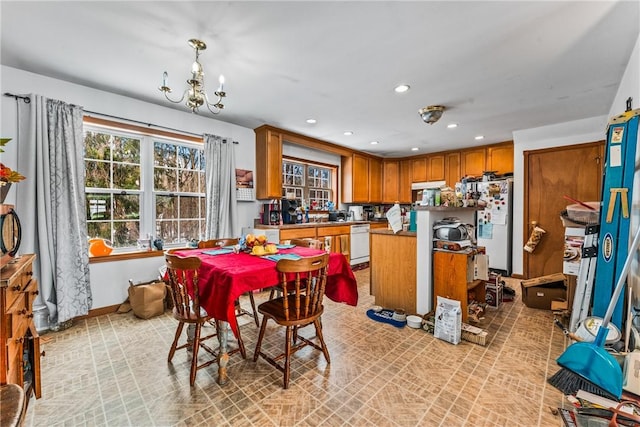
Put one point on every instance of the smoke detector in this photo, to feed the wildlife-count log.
(431, 114)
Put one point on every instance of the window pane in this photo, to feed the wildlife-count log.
(166, 207)
(188, 181)
(97, 146)
(164, 154)
(126, 206)
(189, 207)
(126, 149)
(99, 229)
(165, 179)
(125, 233)
(98, 207)
(126, 177)
(97, 174)
(167, 231)
(188, 158)
(189, 229)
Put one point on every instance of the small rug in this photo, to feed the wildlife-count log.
(385, 316)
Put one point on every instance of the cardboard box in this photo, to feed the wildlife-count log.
(539, 292)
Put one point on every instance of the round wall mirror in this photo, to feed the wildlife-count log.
(11, 233)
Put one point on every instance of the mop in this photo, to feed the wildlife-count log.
(588, 366)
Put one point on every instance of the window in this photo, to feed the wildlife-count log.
(310, 184)
(141, 186)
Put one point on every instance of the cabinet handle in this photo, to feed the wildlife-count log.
(23, 311)
(36, 292)
(43, 354)
(29, 316)
(20, 340)
(15, 288)
(29, 273)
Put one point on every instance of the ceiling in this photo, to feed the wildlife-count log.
(497, 66)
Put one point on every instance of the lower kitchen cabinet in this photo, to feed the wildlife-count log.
(337, 238)
(393, 269)
(453, 278)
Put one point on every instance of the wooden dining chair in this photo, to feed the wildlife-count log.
(183, 283)
(305, 243)
(307, 279)
(218, 243)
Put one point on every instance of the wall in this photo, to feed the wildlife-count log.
(109, 280)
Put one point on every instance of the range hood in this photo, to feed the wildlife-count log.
(427, 185)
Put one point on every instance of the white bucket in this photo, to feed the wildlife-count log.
(588, 329)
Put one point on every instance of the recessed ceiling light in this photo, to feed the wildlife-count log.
(402, 88)
(374, 143)
(452, 125)
(479, 137)
(348, 132)
(311, 121)
(415, 149)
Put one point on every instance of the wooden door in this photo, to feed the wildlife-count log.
(375, 180)
(500, 159)
(390, 183)
(453, 173)
(473, 162)
(404, 191)
(419, 170)
(435, 168)
(575, 171)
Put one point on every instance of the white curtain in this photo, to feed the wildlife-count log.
(220, 176)
(51, 204)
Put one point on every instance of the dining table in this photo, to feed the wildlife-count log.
(227, 273)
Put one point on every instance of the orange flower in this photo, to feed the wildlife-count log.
(8, 175)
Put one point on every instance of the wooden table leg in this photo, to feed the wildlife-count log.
(223, 351)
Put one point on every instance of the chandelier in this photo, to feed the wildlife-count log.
(195, 94)
(431, 114)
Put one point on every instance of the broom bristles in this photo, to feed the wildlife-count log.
(568, 382)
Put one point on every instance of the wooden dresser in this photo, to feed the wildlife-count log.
(20, 355)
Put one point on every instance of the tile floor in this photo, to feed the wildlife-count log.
(112, 371)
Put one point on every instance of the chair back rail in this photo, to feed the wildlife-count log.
(183, 278)
(309, 283)
(216, 243)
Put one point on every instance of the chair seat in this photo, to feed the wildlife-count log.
(273, 309)
(191, 316)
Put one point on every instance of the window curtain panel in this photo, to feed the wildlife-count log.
(51, 205)
(220, 177)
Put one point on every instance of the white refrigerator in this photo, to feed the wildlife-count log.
(494, 224)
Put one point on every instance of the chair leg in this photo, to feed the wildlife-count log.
(272, 293)
(253, 307)
(263, 328)
(172, 350)
(325, 350)
(287, 357)
(194, 360)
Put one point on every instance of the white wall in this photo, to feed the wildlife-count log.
(109, 280)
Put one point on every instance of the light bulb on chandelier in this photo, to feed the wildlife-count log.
(195, 93)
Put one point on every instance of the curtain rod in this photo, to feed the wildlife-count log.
(27, 100)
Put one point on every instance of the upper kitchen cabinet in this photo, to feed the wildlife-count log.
(419, 169)
(435, 168)
(375, 180)
(355, 179)
(453, 173)
(404, 193)
(268, 179)
(500, 158)
(391, 181)
(472, 161)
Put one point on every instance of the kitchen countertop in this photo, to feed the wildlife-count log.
(315, 224)
(390, 232)
(447, 208)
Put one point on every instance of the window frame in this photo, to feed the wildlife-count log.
(333, 170)
(148, 137)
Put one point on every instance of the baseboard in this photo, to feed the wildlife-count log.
(100, 312)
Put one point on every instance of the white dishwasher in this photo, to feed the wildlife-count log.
(359, 244)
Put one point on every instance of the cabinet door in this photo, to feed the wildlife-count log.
(268, 179)
(500, 159)
(435, 168)
(450, 278)
(390, 181)
(404, 192)
(360, 179)
(473, 162)
(419, 170)
(375, 180)
(452, 169)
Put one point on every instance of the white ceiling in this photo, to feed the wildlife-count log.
(497, 66)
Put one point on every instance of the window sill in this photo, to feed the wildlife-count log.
(124, 256)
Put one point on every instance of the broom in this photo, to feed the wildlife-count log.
(588, 366)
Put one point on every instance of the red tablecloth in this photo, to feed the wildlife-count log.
(223, 278)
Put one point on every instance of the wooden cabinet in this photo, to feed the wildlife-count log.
(393, 270)
(20, 355)
(453, 172)
(375, 180)
(453, 278)
(473, 162)
(297, 233)
(435, 168)
(268, 178)
(500, 158)
(390, 181)
(336, 239)
(355, 179)
(419, 169)
(404, 193)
